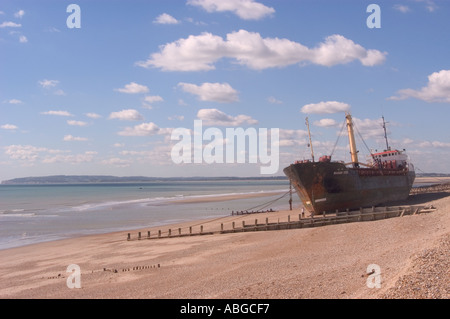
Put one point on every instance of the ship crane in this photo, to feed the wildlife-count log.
(351, 139)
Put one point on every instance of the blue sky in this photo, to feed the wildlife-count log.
(104, 98)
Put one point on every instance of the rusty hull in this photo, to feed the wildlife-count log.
(331, 186)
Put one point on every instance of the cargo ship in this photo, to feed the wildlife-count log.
(327, 186)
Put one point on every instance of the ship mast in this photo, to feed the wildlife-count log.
(310, 142)
(351, 139)
(385, 135)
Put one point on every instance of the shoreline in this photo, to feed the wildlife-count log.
(173, 201)
(322, 262)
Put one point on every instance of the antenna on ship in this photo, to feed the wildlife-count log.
(385, 134)
(310, 142)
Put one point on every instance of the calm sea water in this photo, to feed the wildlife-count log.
(37, 213)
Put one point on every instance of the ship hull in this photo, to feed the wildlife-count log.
(331, 186)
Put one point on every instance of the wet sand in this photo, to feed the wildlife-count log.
(324, 262)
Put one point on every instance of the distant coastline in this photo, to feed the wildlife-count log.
(98, 179)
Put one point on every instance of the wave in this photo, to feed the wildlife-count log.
(157, 201)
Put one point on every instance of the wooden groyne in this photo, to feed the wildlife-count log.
(430, 189)
(293, 222)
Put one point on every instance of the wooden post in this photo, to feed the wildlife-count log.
(148, 234)
(170, 232)
(190, 230)
(221, 227)
(139, 235)
(159, 233)
(243, 223)
(201, 229)
(179, 231)
(129, 236)
(233, 225)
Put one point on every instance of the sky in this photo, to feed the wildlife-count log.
(99, 88)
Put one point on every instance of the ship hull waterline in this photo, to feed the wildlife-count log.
(330, 186)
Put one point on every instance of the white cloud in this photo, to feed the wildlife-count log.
(402, 8)
(9, 24)
(23, 39)
(115, 161)
(9, 127)
(57, 113)
(325, 107)
(245, 9)
(27, 153)
(93, 115)
(70, 138)
(273, 100)
(133, 88)
(85, 157)
(370, 128)
(213, 92)
(19, 14)
(165, 19)
(435, 144)
(339, 50)
(144, 129)
(176, 117)
(153, 99)
(48, 83)
(14, 101)
(215, 117)
(199, 53)
(326, 123)
(430, 5)
(437, 89)
(126, 115)
(292, 137)
(76, 123)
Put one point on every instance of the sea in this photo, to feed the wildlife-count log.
(32, 214)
